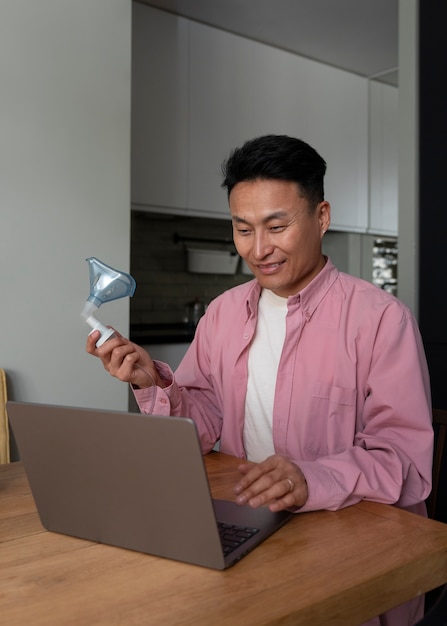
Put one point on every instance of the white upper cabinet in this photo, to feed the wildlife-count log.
(240, 89)
(221, 109)
(198, 92)
(383, 146)
(159, 159)
(327, 108)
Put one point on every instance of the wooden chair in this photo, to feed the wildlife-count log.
(436, 600)
(440, 425)
(437, 614)
(4, 430)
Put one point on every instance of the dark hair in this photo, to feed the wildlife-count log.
(277, 157)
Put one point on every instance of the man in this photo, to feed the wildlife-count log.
(315, 377)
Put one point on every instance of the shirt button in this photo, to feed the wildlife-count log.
(246, 336)
(163, 400)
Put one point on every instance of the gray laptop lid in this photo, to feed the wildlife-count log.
(129, 480)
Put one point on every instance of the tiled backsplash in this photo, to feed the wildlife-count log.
(159, 266)
(159, 263)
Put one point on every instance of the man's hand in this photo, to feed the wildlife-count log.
(125, 360)
(276, 482)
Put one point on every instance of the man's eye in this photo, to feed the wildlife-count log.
(243, 231)
(277, 229)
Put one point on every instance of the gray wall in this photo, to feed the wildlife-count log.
(64, 190)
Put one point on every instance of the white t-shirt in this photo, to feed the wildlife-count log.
(263, 361)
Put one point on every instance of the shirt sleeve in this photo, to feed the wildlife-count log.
(391, 457)
(155, 400)
(197, 402)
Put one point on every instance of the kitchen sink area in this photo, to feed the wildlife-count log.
(160, 333)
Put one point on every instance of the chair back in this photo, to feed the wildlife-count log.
(4, 430)
(440, 427)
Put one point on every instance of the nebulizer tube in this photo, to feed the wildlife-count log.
(106, 284)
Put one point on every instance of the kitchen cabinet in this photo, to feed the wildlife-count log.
(206, 91)
(383, 146)
(170, 353)
(328, 108)
(221, 107)
(253, 89)
(159, 156)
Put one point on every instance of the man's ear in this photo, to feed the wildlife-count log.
(324, 216)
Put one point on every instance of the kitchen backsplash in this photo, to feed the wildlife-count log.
(159, 266)
(159, 263)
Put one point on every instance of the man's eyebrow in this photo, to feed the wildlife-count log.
(277, 215)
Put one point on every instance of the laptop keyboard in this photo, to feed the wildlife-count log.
(232, 536)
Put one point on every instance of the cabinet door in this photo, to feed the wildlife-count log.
(383, 142)
(159, 109)
(240, 89)
(170, 353)
(328, 108)
(221, 109)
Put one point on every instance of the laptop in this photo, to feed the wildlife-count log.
(134, 481)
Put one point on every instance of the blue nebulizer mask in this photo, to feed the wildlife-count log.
(106, 284)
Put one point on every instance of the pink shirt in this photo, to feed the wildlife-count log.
(352, 402)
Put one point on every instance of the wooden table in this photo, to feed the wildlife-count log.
(321, 568)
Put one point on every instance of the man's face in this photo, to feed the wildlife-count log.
(277, 236)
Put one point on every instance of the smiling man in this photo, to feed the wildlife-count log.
(315, 379)
(278, 233)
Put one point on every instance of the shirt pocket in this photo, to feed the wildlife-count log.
(331, 426)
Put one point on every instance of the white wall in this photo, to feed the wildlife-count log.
(64, 190)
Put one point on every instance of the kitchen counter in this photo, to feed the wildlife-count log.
(179, 332)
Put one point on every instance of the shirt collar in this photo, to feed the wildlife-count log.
(309, 297)
(312, 294)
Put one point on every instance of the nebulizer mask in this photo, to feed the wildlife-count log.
(106, 284)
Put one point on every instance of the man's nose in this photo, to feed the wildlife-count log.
(262, 245)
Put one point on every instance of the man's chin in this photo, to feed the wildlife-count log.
(269, 282)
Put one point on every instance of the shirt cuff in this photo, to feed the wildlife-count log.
(158, 400)
(323, 489)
